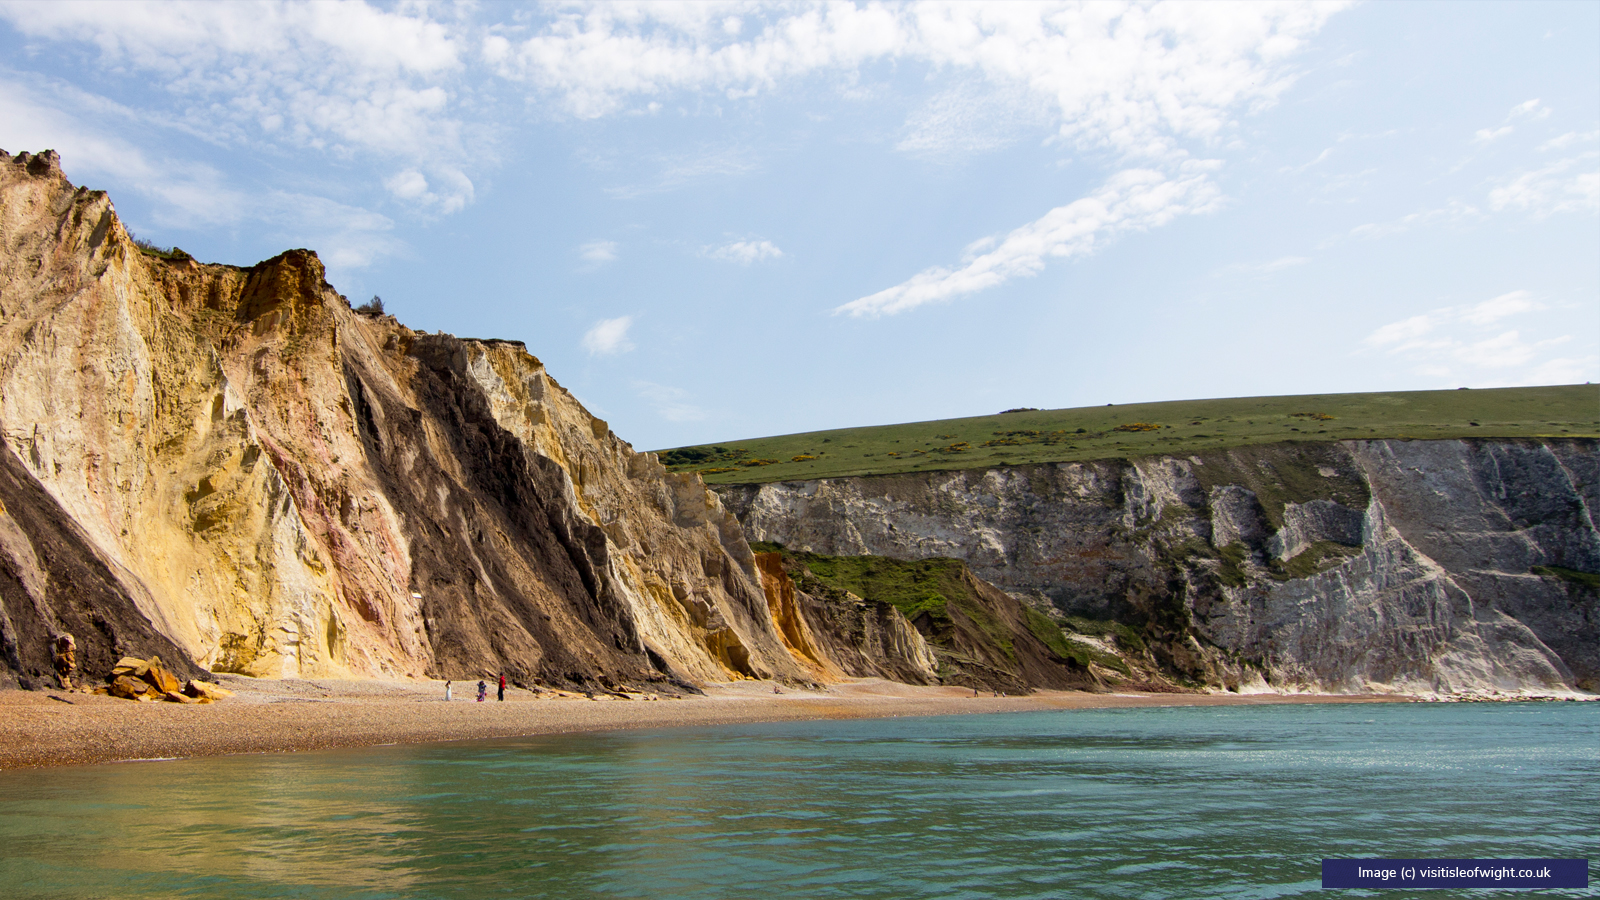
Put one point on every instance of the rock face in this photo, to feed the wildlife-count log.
(231, 468)
(941, 625)
(837, 634)
(1418, 566)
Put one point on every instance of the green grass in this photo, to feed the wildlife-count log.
(1185, 427)
(923, 586)
(1589, 580)
(1311, 560)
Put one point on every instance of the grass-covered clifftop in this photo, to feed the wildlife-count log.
(1144, 429)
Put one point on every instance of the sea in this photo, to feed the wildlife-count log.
(1184, 802)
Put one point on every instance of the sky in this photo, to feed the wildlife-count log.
(715, 221)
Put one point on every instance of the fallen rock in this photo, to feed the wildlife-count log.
(128, 687)
(127, 666)
(165, 682)
(207, 690)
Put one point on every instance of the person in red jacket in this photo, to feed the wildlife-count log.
(502, 686)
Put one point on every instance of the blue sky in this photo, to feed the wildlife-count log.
(716, 221)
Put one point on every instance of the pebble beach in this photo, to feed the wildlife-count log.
(60, 728)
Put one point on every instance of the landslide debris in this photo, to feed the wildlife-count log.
(148, 679)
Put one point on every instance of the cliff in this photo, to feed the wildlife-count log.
(1449, 567)
(232, 469)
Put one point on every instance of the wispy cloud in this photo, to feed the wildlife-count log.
(1531, 110)
(670, 403)
(1564, 141)
(973, 117)
(1454, 211)
(1569, 185)
(188, 194)
(598, 252)
(608, 337)
(744, 252)
(674, 172)
(342, 79)
(1471, 343)
(1130, 79)
(1266, 268)
(1132, 200)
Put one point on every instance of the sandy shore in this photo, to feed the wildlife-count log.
(56, 728)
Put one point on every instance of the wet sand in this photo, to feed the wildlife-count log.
(58, 728)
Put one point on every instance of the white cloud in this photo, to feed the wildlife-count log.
(1454, 211)
(745, 252)
(597, 252)
(1470, 344)
(1497, 308)
(1266, 268)
(1131, 200)
(407, 185)
(186, 194)
(608, 337)
(1531, 110)
(1128, 78)
(670, 403)
(1405, 333)
(337, 78)
(970, 118)
(1552, 189)
(677, 171)
(1138, 81)
(1572, 137)
(191, 193)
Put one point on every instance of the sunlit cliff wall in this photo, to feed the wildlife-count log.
(258, 478)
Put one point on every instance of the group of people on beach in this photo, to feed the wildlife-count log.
(483, 689)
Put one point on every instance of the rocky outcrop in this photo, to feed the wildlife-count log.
(1417, 566)
(231, 468)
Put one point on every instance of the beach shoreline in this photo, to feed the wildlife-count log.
(41, 729)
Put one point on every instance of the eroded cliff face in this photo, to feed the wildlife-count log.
(1451, 567)
(246, 474)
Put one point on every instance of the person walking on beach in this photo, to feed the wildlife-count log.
(502, 697)
(483, 691)
(447, 691)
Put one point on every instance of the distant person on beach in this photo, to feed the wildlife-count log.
(447, 691)
(483, 691)
(502, 697)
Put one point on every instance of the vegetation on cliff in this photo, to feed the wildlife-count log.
(1021, 436)
(981, 636)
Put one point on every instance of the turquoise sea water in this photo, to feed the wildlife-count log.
(1237, 802)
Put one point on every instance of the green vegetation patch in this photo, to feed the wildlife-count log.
(688, 457)
(1231, 572)
(1282, 475)
(1050, 634)
(1312, 560)
(1177, 428)
(1589, 580)
(149, 248)
(1122, 635)
(917, 587)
